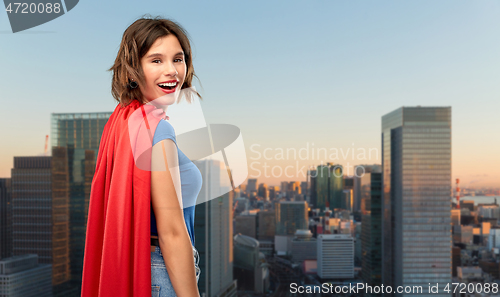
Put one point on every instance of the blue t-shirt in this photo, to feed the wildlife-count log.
(191, 180)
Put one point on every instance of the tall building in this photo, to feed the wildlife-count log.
(5, 218)
(371, 234)
(263, 192)
(251, 186)
(213, 227)
(40, 216)
(335, 256)
(347, 200)
(348, 182)
(266, 225)
(284, 189)
(304, 190)
(293, 190)
(322, 187)
(416, 163)
(329, 186)
(80, 134)
(290, 217)
(313, 192)
(23, 276)
(361, 185)
(348, 193)
(272, 193)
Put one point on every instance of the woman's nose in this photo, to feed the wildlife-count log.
(170, 69)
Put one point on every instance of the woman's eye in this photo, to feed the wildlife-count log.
(178, 60)
(156, 60)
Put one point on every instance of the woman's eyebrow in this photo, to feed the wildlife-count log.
(161, 55)
(154, 55)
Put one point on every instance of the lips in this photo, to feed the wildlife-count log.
(168, 86)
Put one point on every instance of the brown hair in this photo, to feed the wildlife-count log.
(136, 42)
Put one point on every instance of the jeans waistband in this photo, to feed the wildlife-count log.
(196, 260)
(195, 252)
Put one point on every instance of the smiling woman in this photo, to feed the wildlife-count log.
(164, 69)
(145, 43)
(140, 228)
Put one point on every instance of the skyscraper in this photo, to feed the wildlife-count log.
(293, 190)
(213, 227)
(329, 186)
(80, 134)
(313, 192)
(371, 233)
(284, 189)
(362, 184)
(291, 216)
(5, 218)
(251, 186)
(304, 190)
(416, 163)
(262, 191)
(214, 242)
(40, 216)
(266, 228)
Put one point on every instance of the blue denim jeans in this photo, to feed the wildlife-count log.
(160, 282)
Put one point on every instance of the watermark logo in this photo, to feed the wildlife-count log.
(295, 163)
(24, 15)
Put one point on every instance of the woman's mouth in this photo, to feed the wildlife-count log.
(168, 87)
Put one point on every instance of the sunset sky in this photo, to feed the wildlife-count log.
(289, 74)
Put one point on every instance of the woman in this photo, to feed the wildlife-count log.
(142, 180)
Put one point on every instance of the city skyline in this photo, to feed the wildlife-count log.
(298, 159)
(356, 62)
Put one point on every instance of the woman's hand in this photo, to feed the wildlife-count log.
(173, 236)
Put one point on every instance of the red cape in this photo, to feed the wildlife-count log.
(117, 259)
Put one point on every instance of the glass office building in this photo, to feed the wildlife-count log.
(371, 231)
(291, 216)
(329, 186)
(40, 216)
(313, 191)
(213, 227)
(416, 162)
(80, 134)
(5, 219)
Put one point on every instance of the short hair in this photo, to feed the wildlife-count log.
(136, 42)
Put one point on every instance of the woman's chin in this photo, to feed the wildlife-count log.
(165, 100)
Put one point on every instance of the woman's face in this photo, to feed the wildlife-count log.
(164, 71)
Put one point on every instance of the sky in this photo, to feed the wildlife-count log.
(290, 74)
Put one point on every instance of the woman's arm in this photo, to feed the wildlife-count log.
(173, 236)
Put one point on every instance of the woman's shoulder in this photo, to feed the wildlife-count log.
(164, 124)
(164, 130)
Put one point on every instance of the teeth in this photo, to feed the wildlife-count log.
(168, 84)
